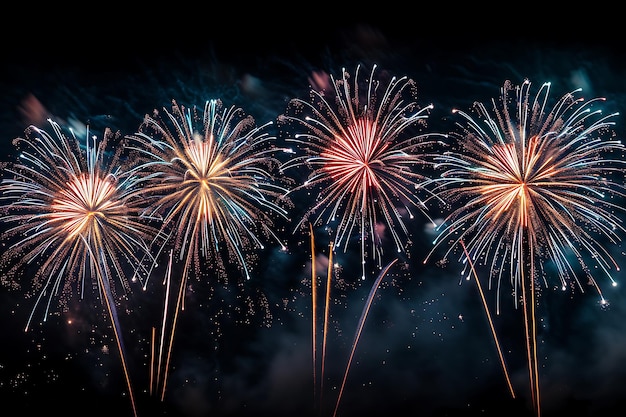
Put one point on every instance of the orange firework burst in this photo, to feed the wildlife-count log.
(365, 145)
(212, 187)
(533, 188)
(76, 211)
(212, 184)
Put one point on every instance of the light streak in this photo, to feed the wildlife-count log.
(357, 336)
(490, 320)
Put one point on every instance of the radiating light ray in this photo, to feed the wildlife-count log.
(530, 188)
(212, 188)
(76, 211)
(367, 155)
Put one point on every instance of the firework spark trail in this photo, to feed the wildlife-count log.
(166, 304)
(313, 312)
(314, 316)
(79, 212)
(152, 358)
(357, 336)
(213, 187)
(329, 275)
(531, 188)
(363, 148)
(177, 309)
(490, 320)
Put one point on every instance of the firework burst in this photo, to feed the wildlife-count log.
(213, 190)
(534, 188)
(211, 184)
(365, 146)
(76, 210)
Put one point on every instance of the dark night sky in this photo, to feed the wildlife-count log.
(426, 348)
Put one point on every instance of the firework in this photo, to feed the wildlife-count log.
(75, 209)
(212, 184)
(212, 187)
(365, 146)
(533, 188)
